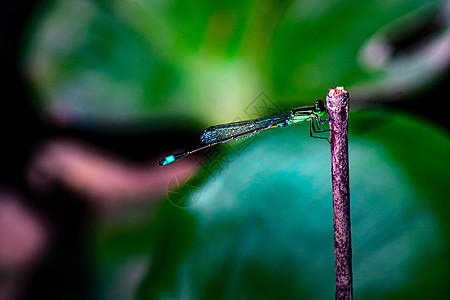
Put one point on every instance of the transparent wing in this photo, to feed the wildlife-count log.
(243, 129)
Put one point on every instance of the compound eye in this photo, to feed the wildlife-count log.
(319, 105)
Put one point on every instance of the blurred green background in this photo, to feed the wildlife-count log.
(251, 220)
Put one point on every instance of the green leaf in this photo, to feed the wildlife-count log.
(114, 62)
(262, 226)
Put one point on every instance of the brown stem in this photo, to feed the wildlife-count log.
(337, 105)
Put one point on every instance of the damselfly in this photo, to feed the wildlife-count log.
(239, 130)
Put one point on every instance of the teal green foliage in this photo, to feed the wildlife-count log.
(263, 226)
